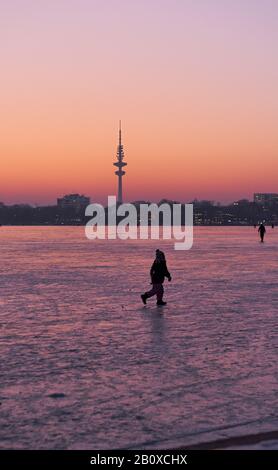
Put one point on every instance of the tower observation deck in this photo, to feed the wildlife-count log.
(120, 164)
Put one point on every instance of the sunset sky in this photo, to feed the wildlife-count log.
(193, 81)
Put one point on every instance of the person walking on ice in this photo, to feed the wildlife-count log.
(262, 231)
(158, 272)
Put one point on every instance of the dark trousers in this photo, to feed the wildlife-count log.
(157, 289)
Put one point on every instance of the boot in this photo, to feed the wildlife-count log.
(161, 302)
(144, 298)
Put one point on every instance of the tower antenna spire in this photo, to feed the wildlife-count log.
(120, 164)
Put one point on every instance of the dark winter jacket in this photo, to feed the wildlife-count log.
(159, 271)
(261, 229)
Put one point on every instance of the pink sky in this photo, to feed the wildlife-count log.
(194, 82)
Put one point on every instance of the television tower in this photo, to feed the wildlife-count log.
(120, 164)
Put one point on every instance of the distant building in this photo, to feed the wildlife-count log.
(265, 198)
(241, 202)
(73, 201)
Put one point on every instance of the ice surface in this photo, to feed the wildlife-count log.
(85, 365)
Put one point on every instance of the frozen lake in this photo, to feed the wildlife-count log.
(85, 365)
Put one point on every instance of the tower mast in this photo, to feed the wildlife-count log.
(120, 164)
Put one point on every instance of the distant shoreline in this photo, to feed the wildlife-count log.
(83, 225)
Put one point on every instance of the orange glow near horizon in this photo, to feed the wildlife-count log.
(195, 87)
